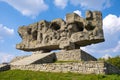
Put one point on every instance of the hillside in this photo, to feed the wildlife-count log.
(32, 75)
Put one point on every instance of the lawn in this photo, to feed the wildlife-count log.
(36, 75)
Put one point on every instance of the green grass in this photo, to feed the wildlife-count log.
(35, 75)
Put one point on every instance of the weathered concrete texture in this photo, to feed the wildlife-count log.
(18, 58)
(39, 57)
(4, 67)
(35, 59)
(59, 34)
(74, 55)
(87, 67)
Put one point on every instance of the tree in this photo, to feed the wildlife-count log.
(114, 61)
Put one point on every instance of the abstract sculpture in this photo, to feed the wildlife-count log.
(59, 34)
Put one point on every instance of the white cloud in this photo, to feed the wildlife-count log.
(92, 4)
(117, 48)
(106, 56)
(94, 48)
(85, 4)
(111, 24)
(28, 7)
(61, 3)
(5, 31)
(78, 12)
(5, 57)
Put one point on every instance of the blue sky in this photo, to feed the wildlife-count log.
(15, 13)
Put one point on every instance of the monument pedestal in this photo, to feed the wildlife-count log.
(76, 61)
(74, 55)
(63, 55)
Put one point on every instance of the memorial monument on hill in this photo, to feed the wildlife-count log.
(67, 36)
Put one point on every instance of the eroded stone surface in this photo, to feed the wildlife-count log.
(74, 55)
(87, 67)
(37, 58)
(59, 34)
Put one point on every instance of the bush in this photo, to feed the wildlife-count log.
(114, 61)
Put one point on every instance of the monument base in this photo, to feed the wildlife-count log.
(63, 55)
(74, 55)
(76, 61)
(83, 67)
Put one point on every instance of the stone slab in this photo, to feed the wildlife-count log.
(35, 59)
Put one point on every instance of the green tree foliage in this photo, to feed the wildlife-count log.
(115, 61)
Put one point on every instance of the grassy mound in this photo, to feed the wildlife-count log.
(36, 75)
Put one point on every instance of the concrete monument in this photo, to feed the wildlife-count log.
(67, 36)
(64, 35)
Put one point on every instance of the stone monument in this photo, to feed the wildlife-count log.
(68, 36)
(64, 35)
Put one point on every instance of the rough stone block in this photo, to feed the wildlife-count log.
(98, 67)
(74, 55)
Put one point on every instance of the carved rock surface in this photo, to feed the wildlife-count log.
(59, 34)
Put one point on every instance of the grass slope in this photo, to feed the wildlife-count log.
(35, 75)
